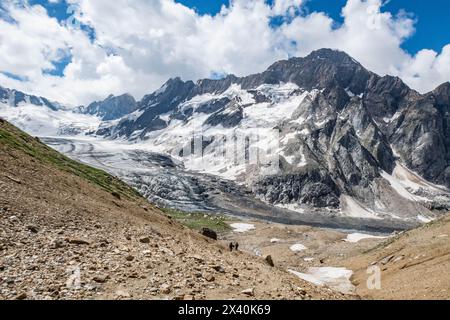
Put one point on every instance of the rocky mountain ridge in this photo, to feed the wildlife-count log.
(14, 98)
(112, 107)
(348, 141)
(352, 137)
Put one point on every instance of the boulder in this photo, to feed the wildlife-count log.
(218, 268)
(209, 277)
(144, 240)
(21, 296)
(209, 233)
(248, 292)
(32, 229)
(269, 260)
(101, 278)
(57, 244)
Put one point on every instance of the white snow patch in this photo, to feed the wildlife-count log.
(133, 116)
(235, 90)
(305, 132)
(424, 219)
(379, 204)
(307, 277)
(297, 247)
(356, 237)
(267, 114)
(321, 123)
(290, 206)
(395, 152)
(350, 207)
(278, 90)
(136, 134)
(165, 117)
(198, 100)
(291, 159)
(43, 121)
(397, 186)
(161, 90)
(394, 117)
(303, 161)
(413, 181)
(242, 227)
(299, 120)
(350, 93)
(405, 183)
(335, 278)
(288, 136)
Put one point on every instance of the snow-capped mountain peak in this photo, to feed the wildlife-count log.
(314, 132)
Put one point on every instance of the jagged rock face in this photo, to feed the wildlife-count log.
(15, 98)
(321, 69)
(155, 105)
(313, 187)
(112, 107)
(420, 139)
(385, 96)
(442, 96)
(420, 134)
(3, 94)
(230, 116)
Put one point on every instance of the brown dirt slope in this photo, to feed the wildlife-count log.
(414, 264)
(68, 231)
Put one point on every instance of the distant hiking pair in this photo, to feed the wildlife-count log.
(234, 245)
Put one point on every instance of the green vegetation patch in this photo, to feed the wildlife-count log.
(199, 220)
(16, 139)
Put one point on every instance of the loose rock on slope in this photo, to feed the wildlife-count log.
(67, 200)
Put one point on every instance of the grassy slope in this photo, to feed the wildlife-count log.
(15, 139)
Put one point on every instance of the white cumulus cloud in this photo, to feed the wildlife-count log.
(139, 44)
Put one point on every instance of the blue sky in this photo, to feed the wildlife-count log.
(432, 28)
(205, 6)
(433, 20)
(58, 10)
